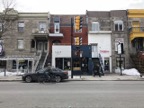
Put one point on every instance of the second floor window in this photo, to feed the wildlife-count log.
(0, 27)
(20, 44)
(95, 26)
(42, 26)
(118, 25)
(21, 26)
(56, 24)
(56, 27)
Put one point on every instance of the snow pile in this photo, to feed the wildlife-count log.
(11, 73)
(132, 71)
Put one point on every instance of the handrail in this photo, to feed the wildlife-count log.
(38, 61)
(44, 60)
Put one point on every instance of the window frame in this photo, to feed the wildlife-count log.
(42, 26)
(57, 27)
(95, 26)
(21, 26)
(20, 44)
(118, 25)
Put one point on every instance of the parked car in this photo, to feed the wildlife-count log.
(48, 73)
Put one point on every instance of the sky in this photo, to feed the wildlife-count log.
(76, 6)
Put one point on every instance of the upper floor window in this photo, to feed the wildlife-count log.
(21, 26)
(42, 26)
(56, 25)
(0, 27)
(95, 26)
(20, 44)
(118, 25)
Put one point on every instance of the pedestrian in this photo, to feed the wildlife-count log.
(97, 69)
(90, 66)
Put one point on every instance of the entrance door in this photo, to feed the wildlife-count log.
(106, 65)
(42, 46)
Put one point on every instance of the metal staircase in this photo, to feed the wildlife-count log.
(41, 61)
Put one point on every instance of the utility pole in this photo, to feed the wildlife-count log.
(71, 47)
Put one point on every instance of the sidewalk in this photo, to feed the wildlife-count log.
(106, 77)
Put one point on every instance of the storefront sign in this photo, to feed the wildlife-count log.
(104, 51)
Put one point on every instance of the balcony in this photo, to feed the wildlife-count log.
(136, 32)
(40, 34)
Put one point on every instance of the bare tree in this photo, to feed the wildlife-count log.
(7, 17)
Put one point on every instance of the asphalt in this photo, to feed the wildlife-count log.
(106, 77)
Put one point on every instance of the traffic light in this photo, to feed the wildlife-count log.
(77, 41)
(80, 40)
(78, 22)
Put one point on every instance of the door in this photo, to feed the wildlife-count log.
(42, 47)
(106, 65)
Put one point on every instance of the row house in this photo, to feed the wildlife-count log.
(40, 39)
(63, 38)
(106, 29)
(26, 46)
(136, 37)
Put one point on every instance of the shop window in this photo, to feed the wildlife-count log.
(14, 64)
(120, 60)
(67, 63)
(59, 63)
(76, 64)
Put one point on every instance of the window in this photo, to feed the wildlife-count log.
(57, 28)
(32, 43)
(20, 44)
(42, 26)
(95, 26)
(21, 26)
(0, 27)
(118, 25)
(56, 25)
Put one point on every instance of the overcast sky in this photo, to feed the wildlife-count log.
(76, 6)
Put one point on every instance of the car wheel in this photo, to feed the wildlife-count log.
(58, 79)
(28, 79)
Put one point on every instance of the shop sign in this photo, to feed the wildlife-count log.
(104, 51)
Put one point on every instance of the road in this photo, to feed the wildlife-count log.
(72, 94)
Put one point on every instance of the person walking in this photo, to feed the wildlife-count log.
(97, 69)
(90, 66)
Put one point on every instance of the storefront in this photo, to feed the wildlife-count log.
(11, 64)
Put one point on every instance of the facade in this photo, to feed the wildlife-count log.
(136, 37)
(106, 29)
(25, 45)
(40, 39)
(62, 35)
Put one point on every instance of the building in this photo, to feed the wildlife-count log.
(62, 35)
(136, 37)
(106, 29)
(27, 44)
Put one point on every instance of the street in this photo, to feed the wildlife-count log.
(72, 94)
